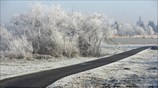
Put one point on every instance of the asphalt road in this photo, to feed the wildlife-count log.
(45, 78)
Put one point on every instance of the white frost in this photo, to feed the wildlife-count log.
(139, 70)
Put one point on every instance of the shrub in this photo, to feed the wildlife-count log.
(14, 47)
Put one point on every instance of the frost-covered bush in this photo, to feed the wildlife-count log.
(44, 28)
(55, 32)
(14, 47)
(94, 29)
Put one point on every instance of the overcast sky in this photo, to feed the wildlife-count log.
(121, 10)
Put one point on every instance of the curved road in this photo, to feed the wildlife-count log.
(45, 78)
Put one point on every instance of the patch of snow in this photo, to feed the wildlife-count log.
(137, 71)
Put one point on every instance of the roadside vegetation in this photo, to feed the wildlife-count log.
(54, 31)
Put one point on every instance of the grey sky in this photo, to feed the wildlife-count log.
(121, 10)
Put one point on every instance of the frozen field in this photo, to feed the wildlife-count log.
(16, 67)
(138, 71)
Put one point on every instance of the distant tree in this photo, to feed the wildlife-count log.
(140, 23)
(149, 30)
(154, 27)
(139, 30)
(115, 25)
(126, 29)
